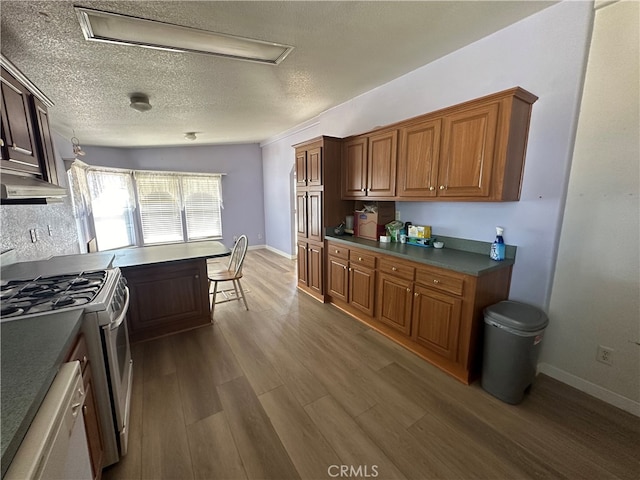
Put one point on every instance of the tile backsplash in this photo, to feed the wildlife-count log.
(18, 220)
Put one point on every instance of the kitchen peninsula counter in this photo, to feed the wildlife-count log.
(168, 286)
(137, 256)
(458, 255)
(32, 351)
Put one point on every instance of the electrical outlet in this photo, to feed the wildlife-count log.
(34, 235)
(50, 228)
(605, 355)
(397, 214)
(235, 238)
(259, 236)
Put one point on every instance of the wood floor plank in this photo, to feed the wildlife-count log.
(259, 446)
(217, 355)
(349, 441)
(197, 387)
(254, 363)
(165, 448)
(159, 358)
(412, 458)
(213, 450)
(309, 451)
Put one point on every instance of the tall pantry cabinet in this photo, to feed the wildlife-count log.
(318, 206)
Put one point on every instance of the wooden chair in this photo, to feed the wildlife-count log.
(233, 273)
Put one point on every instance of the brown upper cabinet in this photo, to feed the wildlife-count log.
(309, 167)
(369, 165)
(18, 137)
(26, 145)
(473, 151)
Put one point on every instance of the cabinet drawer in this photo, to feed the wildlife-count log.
(80, 352)
(397, 269)
(435, 278)
(338, 251)
(358, 257)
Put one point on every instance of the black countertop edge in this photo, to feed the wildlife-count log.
(466, 262)
(33, 349)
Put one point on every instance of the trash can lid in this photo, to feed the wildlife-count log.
(516, 315)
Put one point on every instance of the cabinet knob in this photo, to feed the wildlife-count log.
(1, 142)
(196, 276)
(416, 294)
(436, 281)
(350, 269)
(442, 187)
(84, 410)
(394, 269)
(363, 189)
(432, 188)
(84, 360)
(359, 259)
(337, 251)
(408, 289)
(344, 267)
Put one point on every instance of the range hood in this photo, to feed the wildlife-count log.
(16, 189)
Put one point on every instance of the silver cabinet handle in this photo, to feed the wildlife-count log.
(432, 188)
(416, 294)
(408, 289)
(196, 276)
(436, 281)
(442, 187)
(394, 269)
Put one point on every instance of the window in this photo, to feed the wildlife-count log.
(163, 207)
(160, 207)
(112, 203)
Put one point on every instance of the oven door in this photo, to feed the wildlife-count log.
(120, 364)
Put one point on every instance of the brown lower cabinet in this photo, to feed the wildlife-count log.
(434, 312)
(167, 297)
(310, 271)
(80, 353)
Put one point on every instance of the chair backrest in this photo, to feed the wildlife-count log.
(238, 254)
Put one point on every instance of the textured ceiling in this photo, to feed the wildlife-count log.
(342, 49)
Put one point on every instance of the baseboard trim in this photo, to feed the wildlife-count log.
(256, 247)
(590, 388)
(280, 252)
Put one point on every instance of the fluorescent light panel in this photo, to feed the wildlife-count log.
(109, 27)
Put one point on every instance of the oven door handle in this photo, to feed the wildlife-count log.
(123, 313)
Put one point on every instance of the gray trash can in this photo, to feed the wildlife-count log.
(513, 332)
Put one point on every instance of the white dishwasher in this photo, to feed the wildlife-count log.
(55, 446)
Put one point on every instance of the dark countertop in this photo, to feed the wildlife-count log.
(471, 263)
(60, 265)
(33, 349)
(130, 257)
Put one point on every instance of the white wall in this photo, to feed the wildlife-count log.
(596, 289)
(544, 54)
(242, 190)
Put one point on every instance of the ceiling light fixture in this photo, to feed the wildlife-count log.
(140, 102)
(190, 136)
(77, 149)
(110, 27)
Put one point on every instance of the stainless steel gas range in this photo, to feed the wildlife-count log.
(104, 297)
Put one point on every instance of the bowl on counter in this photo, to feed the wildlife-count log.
(438, 244)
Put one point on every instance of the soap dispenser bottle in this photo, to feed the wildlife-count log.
(497, 247)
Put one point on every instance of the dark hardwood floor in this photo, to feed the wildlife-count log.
(297, 389)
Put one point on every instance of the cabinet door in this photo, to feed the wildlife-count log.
(338, 278)
(92, 425)
(48, 164)
(301, 214)
(314, 216)
(394, 296)
(362, 289)
(315, 269)
(436, 321)
(303, 274)
(301, 168)
(18, 126)
(419, 156)
(167, 297)
(466, 164)
(382, 161)
(314, 167)
(354, 168)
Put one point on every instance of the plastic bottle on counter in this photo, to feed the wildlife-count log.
(497, 247)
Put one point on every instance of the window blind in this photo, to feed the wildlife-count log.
(160, 207)
(202, 204)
